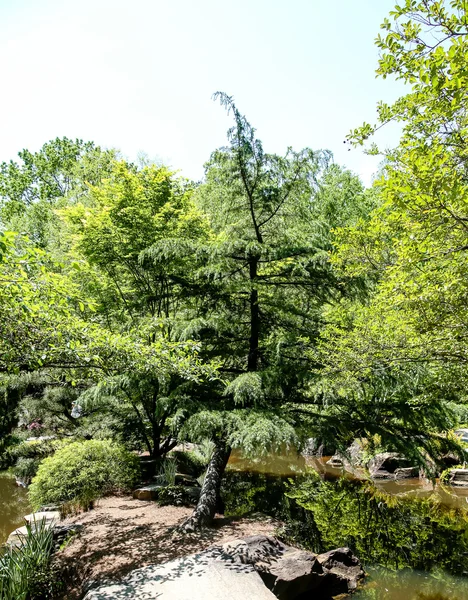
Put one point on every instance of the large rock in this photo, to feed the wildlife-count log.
(46, 520)
(256, 567)
(343, 571)
(336, 461)
(458, 478)
(148, 492)
(317, 448)
(286, 571)
(209, 575)
(391, 465)
(293, 574)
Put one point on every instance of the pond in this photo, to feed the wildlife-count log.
(411, 536)
(13, 506)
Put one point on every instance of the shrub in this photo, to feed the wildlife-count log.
(26, 468)
(81, 472)
(176, 495)
(190, 463)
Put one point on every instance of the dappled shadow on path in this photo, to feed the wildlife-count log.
(123, 534)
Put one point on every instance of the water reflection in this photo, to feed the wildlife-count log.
(412, 585)
(290, 464)
(415, 531)
(13, 506)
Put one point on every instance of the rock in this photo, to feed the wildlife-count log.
(406, 473)
(293, 574)
(386, 464)
(343, 571)
(209, 575)
(257, 567)
(355, 453)
(149, 492)
(336, 461)
(63, 532)
(51, 516)
(317, 448)
(255, 549)
(48, 520)
(458, 478)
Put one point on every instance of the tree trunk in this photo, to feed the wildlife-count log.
(205, 510)
(252, 361)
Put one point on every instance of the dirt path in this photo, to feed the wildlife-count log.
(122, 534)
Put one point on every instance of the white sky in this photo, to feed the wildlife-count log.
(139, 76)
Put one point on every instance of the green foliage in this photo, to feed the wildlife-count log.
(25, 572)
(399, 358)
(82, 472)
(167, 472)
(175, 495)
(26, 468)
(244, 494)
(190, 462)
(391, 531)
(59, 172)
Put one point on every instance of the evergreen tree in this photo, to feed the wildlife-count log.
(267, 278)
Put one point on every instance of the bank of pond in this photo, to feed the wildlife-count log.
(411, 536)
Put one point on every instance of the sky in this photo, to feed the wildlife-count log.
(139, 76)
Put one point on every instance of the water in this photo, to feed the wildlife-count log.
(13, 506)
(416, 532)
(411, 585)
(292, 464)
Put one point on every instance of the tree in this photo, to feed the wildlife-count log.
(139, 292)
(406, 348)
(268, 277)
(60, 172)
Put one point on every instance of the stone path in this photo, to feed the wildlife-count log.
(208, 575)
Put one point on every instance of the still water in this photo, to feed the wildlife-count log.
(13, 506)
(415, 531)
(411, 585)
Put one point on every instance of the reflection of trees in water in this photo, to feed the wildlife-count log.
(13, 506)
(411, 585)
(381, 529)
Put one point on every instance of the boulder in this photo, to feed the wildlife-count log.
(386, 464)
(343, 571)
(286, 571)
(406, 473)
(336, 461)
(257, 567)
(148, 492)
(317, 448)
(458, 478)
(293, 574)
(50, 517)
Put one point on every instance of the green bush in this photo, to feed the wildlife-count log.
(167, 472)
(7, 447)
(176, 495)
(26, 468)
(81, 472)
(190, 463)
